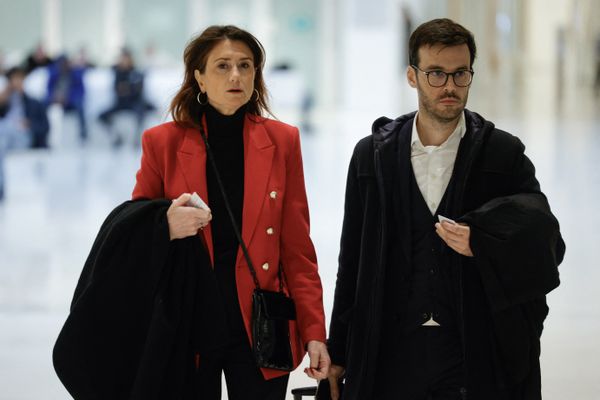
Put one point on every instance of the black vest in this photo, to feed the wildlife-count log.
(432, 288)
(430, 284)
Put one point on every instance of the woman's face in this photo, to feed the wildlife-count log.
(228, 79)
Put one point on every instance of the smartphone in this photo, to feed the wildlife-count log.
(196, 201)
(441, 218)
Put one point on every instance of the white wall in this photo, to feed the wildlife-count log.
(20, 27)
(547, 69)
(370, 62)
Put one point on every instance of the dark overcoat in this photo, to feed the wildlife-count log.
(515, 239)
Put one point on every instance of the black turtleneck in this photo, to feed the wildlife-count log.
(225, 137)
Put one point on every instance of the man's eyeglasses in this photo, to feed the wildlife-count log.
(437, 78)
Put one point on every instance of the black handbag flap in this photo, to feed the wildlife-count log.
(276, 305)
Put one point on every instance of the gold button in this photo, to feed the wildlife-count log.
(273, 194)
(269, 231)
(265, 266)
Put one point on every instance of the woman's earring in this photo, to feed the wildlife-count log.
(202, 103)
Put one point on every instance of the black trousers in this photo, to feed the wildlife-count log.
(427, 364)
(243, 378)
(424, 364)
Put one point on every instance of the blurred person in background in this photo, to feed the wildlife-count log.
(426, 307)
(129, 96)
(194, 319)
(82, 59)
(66, 88)
(38, 58)
(23, 120)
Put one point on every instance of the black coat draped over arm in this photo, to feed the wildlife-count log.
(128, 335)
(517, 244)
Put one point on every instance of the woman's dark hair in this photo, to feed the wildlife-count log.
(439, 31)
(184, 108)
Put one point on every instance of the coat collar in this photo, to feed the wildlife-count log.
(258, 158)
(392, 133)
(385, 129)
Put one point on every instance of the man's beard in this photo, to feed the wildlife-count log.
(447, 114)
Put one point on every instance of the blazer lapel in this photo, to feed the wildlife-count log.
(258, 161)
(191, 157)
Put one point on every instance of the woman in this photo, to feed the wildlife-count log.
(260, 164)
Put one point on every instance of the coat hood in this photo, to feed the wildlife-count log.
(384, 128)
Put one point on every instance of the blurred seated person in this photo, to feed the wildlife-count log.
(129, 95)
(82, 59)
(66, 88)
(23, 119)
(38, 58)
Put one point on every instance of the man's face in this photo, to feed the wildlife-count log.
(444, 104)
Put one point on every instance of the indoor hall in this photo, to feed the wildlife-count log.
(333, 68)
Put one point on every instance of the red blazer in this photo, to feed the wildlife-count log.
(275, 223)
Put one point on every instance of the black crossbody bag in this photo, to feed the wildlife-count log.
(271, 311)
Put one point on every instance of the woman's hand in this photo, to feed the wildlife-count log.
(185, 221)
(319, 360)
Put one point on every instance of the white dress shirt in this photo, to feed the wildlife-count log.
(433, 165)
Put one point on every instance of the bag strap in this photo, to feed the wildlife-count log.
(236, 229)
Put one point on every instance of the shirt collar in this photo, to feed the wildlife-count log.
(460, 130)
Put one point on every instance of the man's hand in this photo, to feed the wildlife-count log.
(335, 374)
(456, 236)
(319, 360)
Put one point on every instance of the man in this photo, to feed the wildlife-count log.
(129, 96)
(426, 309)
(23, 120)
(66, 87)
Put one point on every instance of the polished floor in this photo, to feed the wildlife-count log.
(56, 200)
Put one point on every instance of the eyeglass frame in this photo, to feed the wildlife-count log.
(448, 74)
